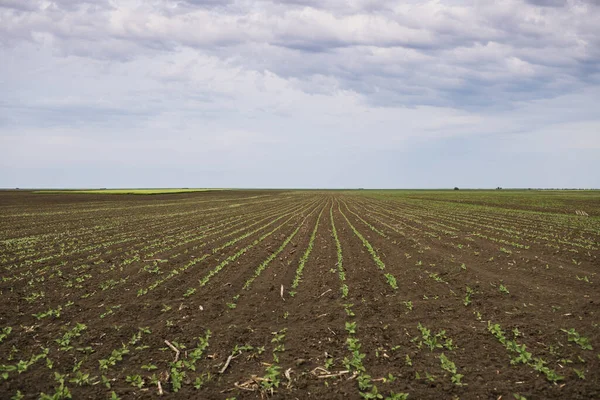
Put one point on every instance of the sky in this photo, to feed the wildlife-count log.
(300, 93)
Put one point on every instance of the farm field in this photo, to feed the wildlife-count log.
(300, 294)
(124, 191)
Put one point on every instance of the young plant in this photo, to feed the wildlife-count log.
(5, 332)
(202, 380)
(450, 367)
(351, 328)
(575, 337)
(391, 280)
(270, 381)
(467, 299)
(345, 291)
(65, 341)
(135, 380)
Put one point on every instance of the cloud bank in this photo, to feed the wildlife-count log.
(301, 93)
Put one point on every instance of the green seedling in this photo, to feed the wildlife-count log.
(575, 337)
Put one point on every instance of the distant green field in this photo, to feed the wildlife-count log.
(127, 191)
(556, 201)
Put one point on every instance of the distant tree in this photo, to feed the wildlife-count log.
(455, 188)
(498, 188)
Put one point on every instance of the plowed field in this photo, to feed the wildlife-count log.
(300, 294)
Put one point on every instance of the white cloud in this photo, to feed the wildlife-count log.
(211, 83)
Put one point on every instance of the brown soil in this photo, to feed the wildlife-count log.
(120, 262)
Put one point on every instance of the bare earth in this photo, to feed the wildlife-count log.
(300, 294)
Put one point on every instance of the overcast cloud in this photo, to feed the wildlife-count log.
(299, 93)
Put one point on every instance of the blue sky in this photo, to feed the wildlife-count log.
(299, 93)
